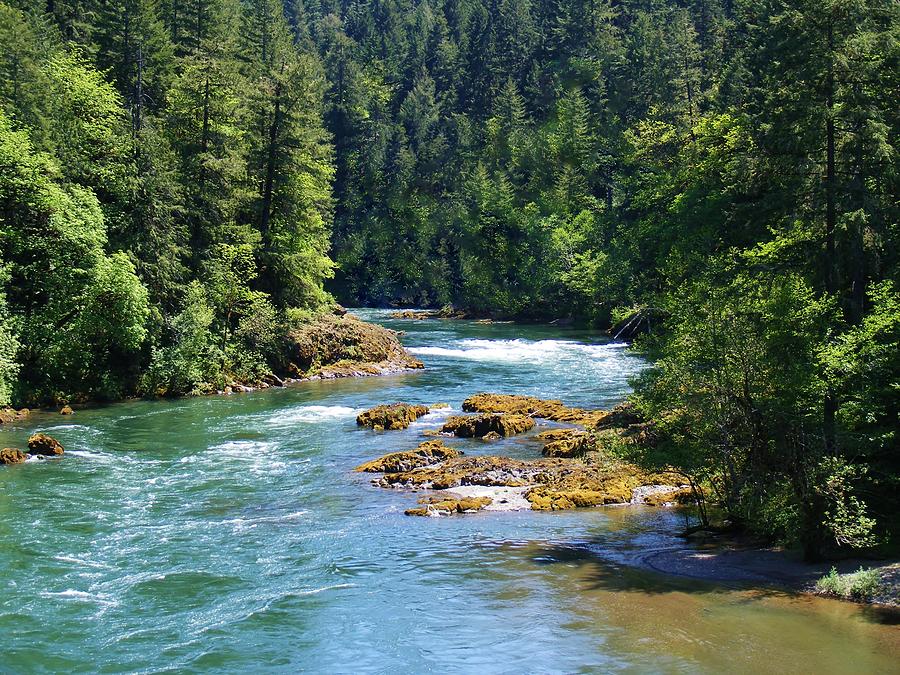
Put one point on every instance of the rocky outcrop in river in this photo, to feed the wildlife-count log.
(39, 445)
(428, 453)
(11, 415)
(334, 346)
(577, 470)
(532, 407)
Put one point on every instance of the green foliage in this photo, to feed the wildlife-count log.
(145, 147)
(9, 349)
(735, 387)
(190, 363)
(862, 585)
(81, 311)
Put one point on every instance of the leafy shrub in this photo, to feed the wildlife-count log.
(860, 585)
(190, 362)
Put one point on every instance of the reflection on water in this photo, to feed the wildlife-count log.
(230, 534)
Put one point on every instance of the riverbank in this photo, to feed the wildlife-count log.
(330, 345)
(729, 559)
(580, 470)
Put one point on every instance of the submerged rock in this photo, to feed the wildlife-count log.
(343, 346)
(448, 312)
(480, 426)
(12, 456)
(42, 444)
(662, 495)
(445, 505)
(531, 406)
(427, 453)
(10, 415)
(413, 314)
(393, 416)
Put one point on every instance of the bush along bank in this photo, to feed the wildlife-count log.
(326, 345)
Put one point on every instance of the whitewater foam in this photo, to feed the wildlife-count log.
(79, 596)
(80, 561)
(516, 351)
(312, 414)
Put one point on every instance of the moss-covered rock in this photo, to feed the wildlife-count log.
(470, 470)
(413, 314)
(43, 444)
(550, 409)
(12, 456)
(555, 483)
(546, 499)
(480, 426)
(427, 453)
(566, 442)
(333, 346)
(393, 416)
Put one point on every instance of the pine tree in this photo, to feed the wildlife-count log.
(290, 160)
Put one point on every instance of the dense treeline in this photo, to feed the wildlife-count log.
(165, 194)
(171, 170)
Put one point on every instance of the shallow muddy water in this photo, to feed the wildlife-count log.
(229, 534)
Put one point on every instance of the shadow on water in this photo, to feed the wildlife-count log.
(886, 616)
(600, 573)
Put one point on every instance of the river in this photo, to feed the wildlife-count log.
(230, 534)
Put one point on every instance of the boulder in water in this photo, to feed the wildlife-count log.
(12, 456)
(42, 444)
(413, 314)
(394, 416)
(479, 426)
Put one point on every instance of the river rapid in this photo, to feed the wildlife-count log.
(230, 534)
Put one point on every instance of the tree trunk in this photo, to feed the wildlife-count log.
(270, 167)
(831, 282)
(204, 138)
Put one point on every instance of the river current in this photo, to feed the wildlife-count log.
(230, 534)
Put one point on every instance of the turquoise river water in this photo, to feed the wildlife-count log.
(230, 534)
